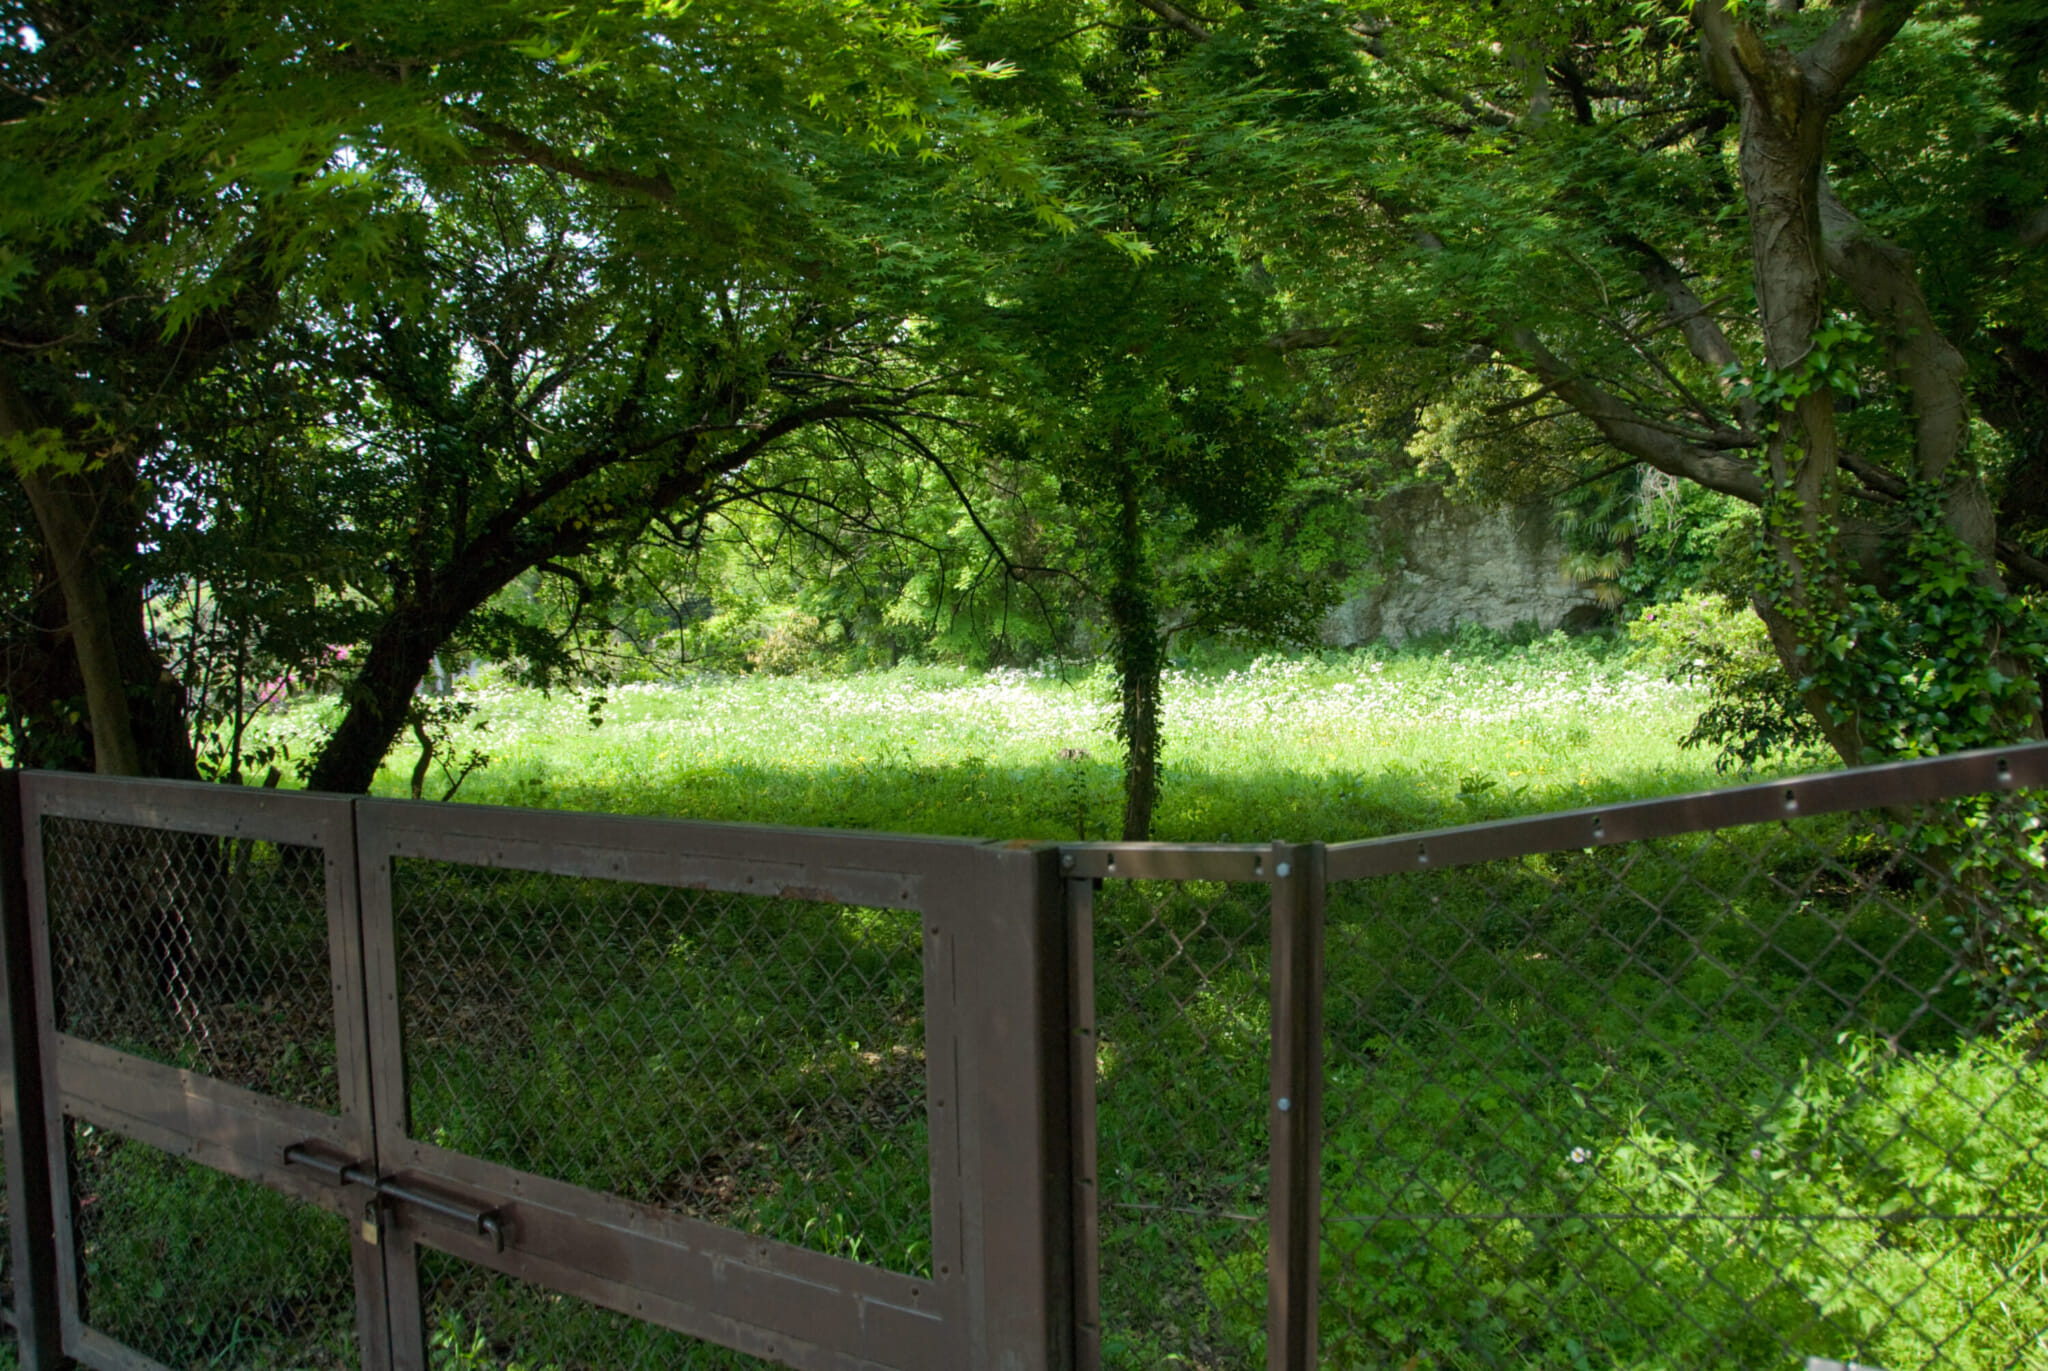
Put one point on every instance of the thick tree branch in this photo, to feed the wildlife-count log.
(1717, 45)
(1303, 340)
(1850, 43)
(1929, 367)
(1628, 430)
(527, 148)
(1877, 481)
(1177, 18)
(2023, 565)
(1887, 487)
(1685, 311)
(1861, 542)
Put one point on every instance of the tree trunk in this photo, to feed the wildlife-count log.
(86, 520)
(1800, 238)
(379, 698)
(1140, 651)
(1783, 139)
(38, 671)
(66, 523)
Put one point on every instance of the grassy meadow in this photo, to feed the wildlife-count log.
(1343, 745)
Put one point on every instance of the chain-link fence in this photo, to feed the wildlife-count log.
(201, 1271)
(1182, 1035)
(1745, 1094)
(209, 954)
(1738, 1098)
(1711, 1092)
(755, 1062)
(195, 951)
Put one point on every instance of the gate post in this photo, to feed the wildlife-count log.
(1295, 1108)
(32, 1230)
(1006, 918)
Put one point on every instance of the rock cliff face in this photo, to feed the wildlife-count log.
(1450, 564)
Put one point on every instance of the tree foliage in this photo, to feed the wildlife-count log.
(376, 327)
(357, 202)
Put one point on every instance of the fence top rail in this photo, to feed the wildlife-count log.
(231, 810)
(1171, 861)
(882, 870)
(286, 816)
(1988, 770)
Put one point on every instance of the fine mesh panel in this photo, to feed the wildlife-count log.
(196, 1269)
(479, 1320)
(1736, 1099)
(754, 1062)
(1182, 1033)
(194, 951)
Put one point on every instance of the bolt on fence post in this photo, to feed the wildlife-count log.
(32, 1229)
(1295, 1111)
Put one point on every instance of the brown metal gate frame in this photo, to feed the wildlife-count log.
(187, 1113)
(31, 1229)
(999, 1241)
(995, 1013)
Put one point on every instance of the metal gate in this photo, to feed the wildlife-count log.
(1741, 1078)
(625, 1087)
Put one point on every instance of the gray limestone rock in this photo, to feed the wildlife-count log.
(1450, 564)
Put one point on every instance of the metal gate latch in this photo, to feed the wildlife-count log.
(485, 1223)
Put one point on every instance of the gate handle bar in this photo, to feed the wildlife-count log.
(485, 1223)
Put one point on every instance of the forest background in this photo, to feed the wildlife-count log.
(349, 346)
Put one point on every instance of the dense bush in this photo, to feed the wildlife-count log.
(1753, 711)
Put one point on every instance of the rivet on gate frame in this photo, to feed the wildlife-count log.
(1282, 870)
(1285, 1104)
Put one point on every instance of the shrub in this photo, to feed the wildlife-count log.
(1754, 711)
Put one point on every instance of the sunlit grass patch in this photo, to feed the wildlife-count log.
(1332, 746)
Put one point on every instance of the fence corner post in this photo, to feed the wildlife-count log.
(32, 1231)
(1295, 1108)
(1015, 1108)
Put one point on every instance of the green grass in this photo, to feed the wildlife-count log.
(198, 1269)
(1716, 1101)
(1707, 1102)
(1344, 745)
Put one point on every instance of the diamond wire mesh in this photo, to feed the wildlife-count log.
(197, 1269)
(1182, 1032)
(755, 1062)
(1726, 1100)
(198, 952)
(480, 1320)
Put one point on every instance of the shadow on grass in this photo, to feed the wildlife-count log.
(1082, 800)
(1717, 1101)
